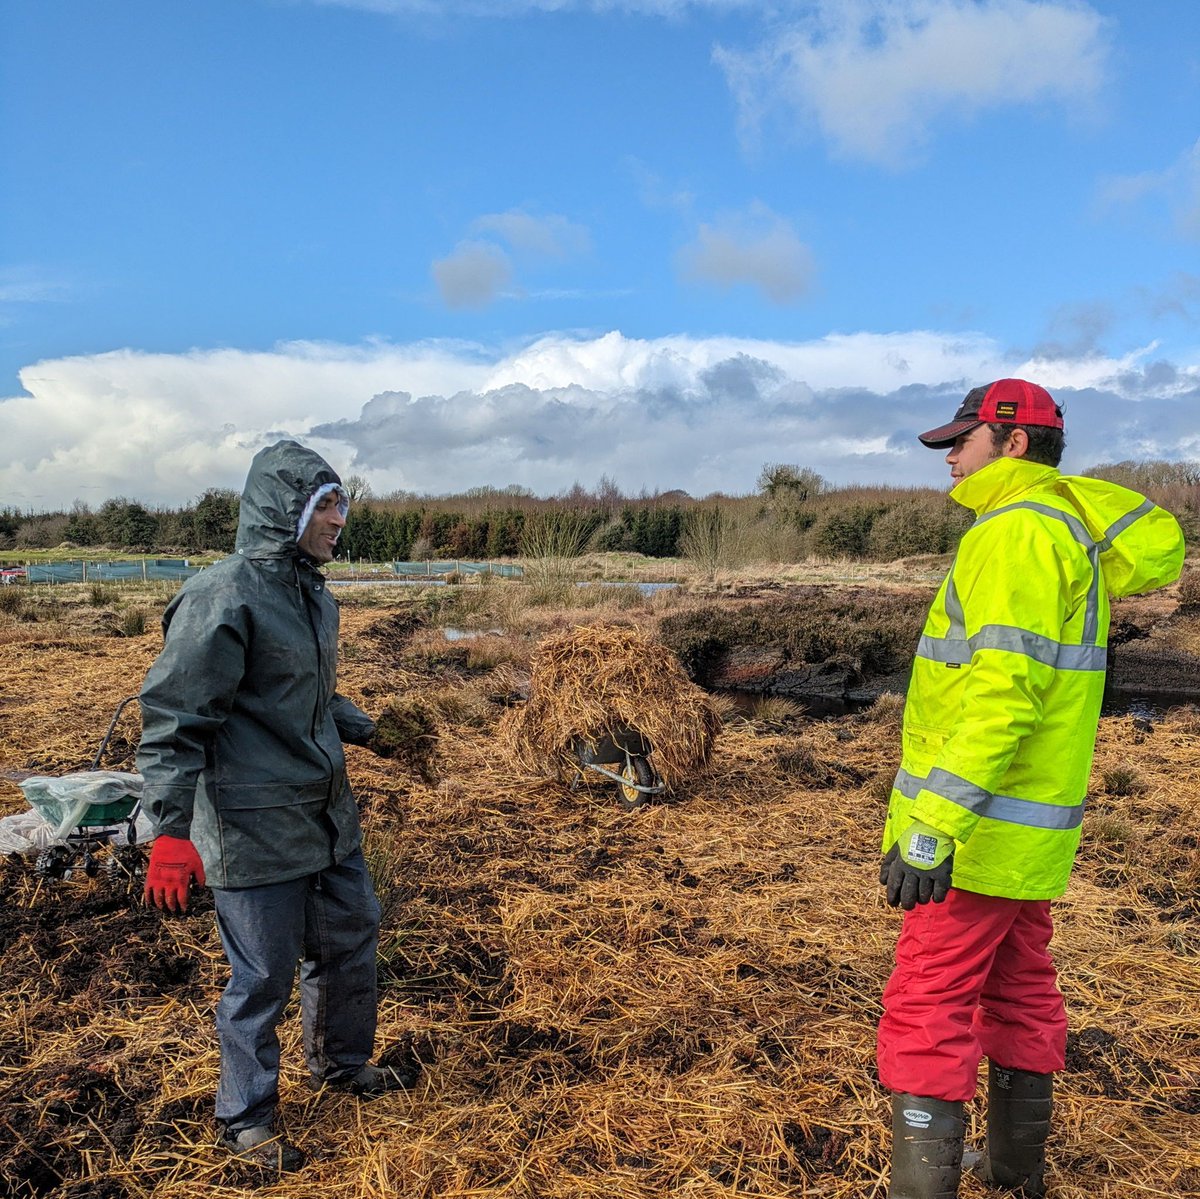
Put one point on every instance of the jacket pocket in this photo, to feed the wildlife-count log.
(922, 744)
(232, 797)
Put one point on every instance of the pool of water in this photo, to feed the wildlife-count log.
(644, 588)
(1148, 707)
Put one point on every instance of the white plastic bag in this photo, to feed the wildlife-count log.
(63, 800)
(24, 833)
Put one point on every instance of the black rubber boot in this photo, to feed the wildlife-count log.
(1018, 1123)
(927, 1147)
(371, 1081)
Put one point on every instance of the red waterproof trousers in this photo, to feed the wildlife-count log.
(973, 979)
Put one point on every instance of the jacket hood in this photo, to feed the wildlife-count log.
(1141, 545)
(282, 478)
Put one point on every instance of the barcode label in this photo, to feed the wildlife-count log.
(922, 849)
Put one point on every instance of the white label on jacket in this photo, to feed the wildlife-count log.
(922, 849)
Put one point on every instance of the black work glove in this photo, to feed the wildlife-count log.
(918, 867)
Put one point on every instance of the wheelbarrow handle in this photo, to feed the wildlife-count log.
(624, 782)
(112, 724)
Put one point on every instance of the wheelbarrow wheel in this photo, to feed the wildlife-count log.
(634, 773)
(54, 862)
(125, 866)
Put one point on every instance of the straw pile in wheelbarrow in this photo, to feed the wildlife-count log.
(590, 682)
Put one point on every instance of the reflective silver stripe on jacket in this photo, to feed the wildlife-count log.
(1018, 641)
(1032, 813)
(1087, 656)
(1119, 526)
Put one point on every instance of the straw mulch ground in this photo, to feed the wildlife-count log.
(675, 1000)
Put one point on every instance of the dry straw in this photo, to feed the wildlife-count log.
(591, 681)
(679, 1000)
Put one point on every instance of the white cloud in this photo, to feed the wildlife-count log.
(702, 414)
(163, 427)
(874, 76)
(474, 275)
(757, 248)
(1178, 186)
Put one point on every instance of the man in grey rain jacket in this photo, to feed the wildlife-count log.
(245, 780)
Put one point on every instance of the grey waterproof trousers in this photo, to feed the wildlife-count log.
(329, 922)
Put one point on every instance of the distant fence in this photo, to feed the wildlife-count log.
(506, 570)
(81, 571)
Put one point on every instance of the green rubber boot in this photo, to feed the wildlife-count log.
(927, 1147)
(1018, 1123)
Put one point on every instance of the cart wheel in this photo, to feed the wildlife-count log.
(636, 771)
(125, 865)
(54, 862)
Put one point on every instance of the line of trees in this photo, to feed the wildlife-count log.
(794, 514)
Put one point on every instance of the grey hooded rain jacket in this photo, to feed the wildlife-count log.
(242, 727)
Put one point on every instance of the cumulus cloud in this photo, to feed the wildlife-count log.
(700, 414)
(163, 427)
(550, 236)
(480, 271)
(875, 76)
(474, 275)
(1177, 187)
(757, 248)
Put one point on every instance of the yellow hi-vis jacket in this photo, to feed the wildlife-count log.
(1004, 699)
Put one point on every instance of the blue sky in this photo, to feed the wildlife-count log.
(468, 242)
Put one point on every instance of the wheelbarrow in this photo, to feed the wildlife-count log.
(622, 755)
(87, 810)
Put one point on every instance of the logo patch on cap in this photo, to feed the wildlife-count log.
(1006, 410)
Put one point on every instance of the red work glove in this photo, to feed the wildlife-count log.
(174, 862)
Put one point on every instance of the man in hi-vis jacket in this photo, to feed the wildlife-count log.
(984, 817)
(245, 780)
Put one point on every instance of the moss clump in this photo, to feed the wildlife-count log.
(407, 732)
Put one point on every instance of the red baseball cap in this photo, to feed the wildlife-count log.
(1005, 402)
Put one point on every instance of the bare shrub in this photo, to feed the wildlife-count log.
(714, 538)
(101, 595)
(775, 542)
(422, 550)
(41, 532)
(550, 543)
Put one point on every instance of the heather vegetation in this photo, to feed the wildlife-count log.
(793, 515)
